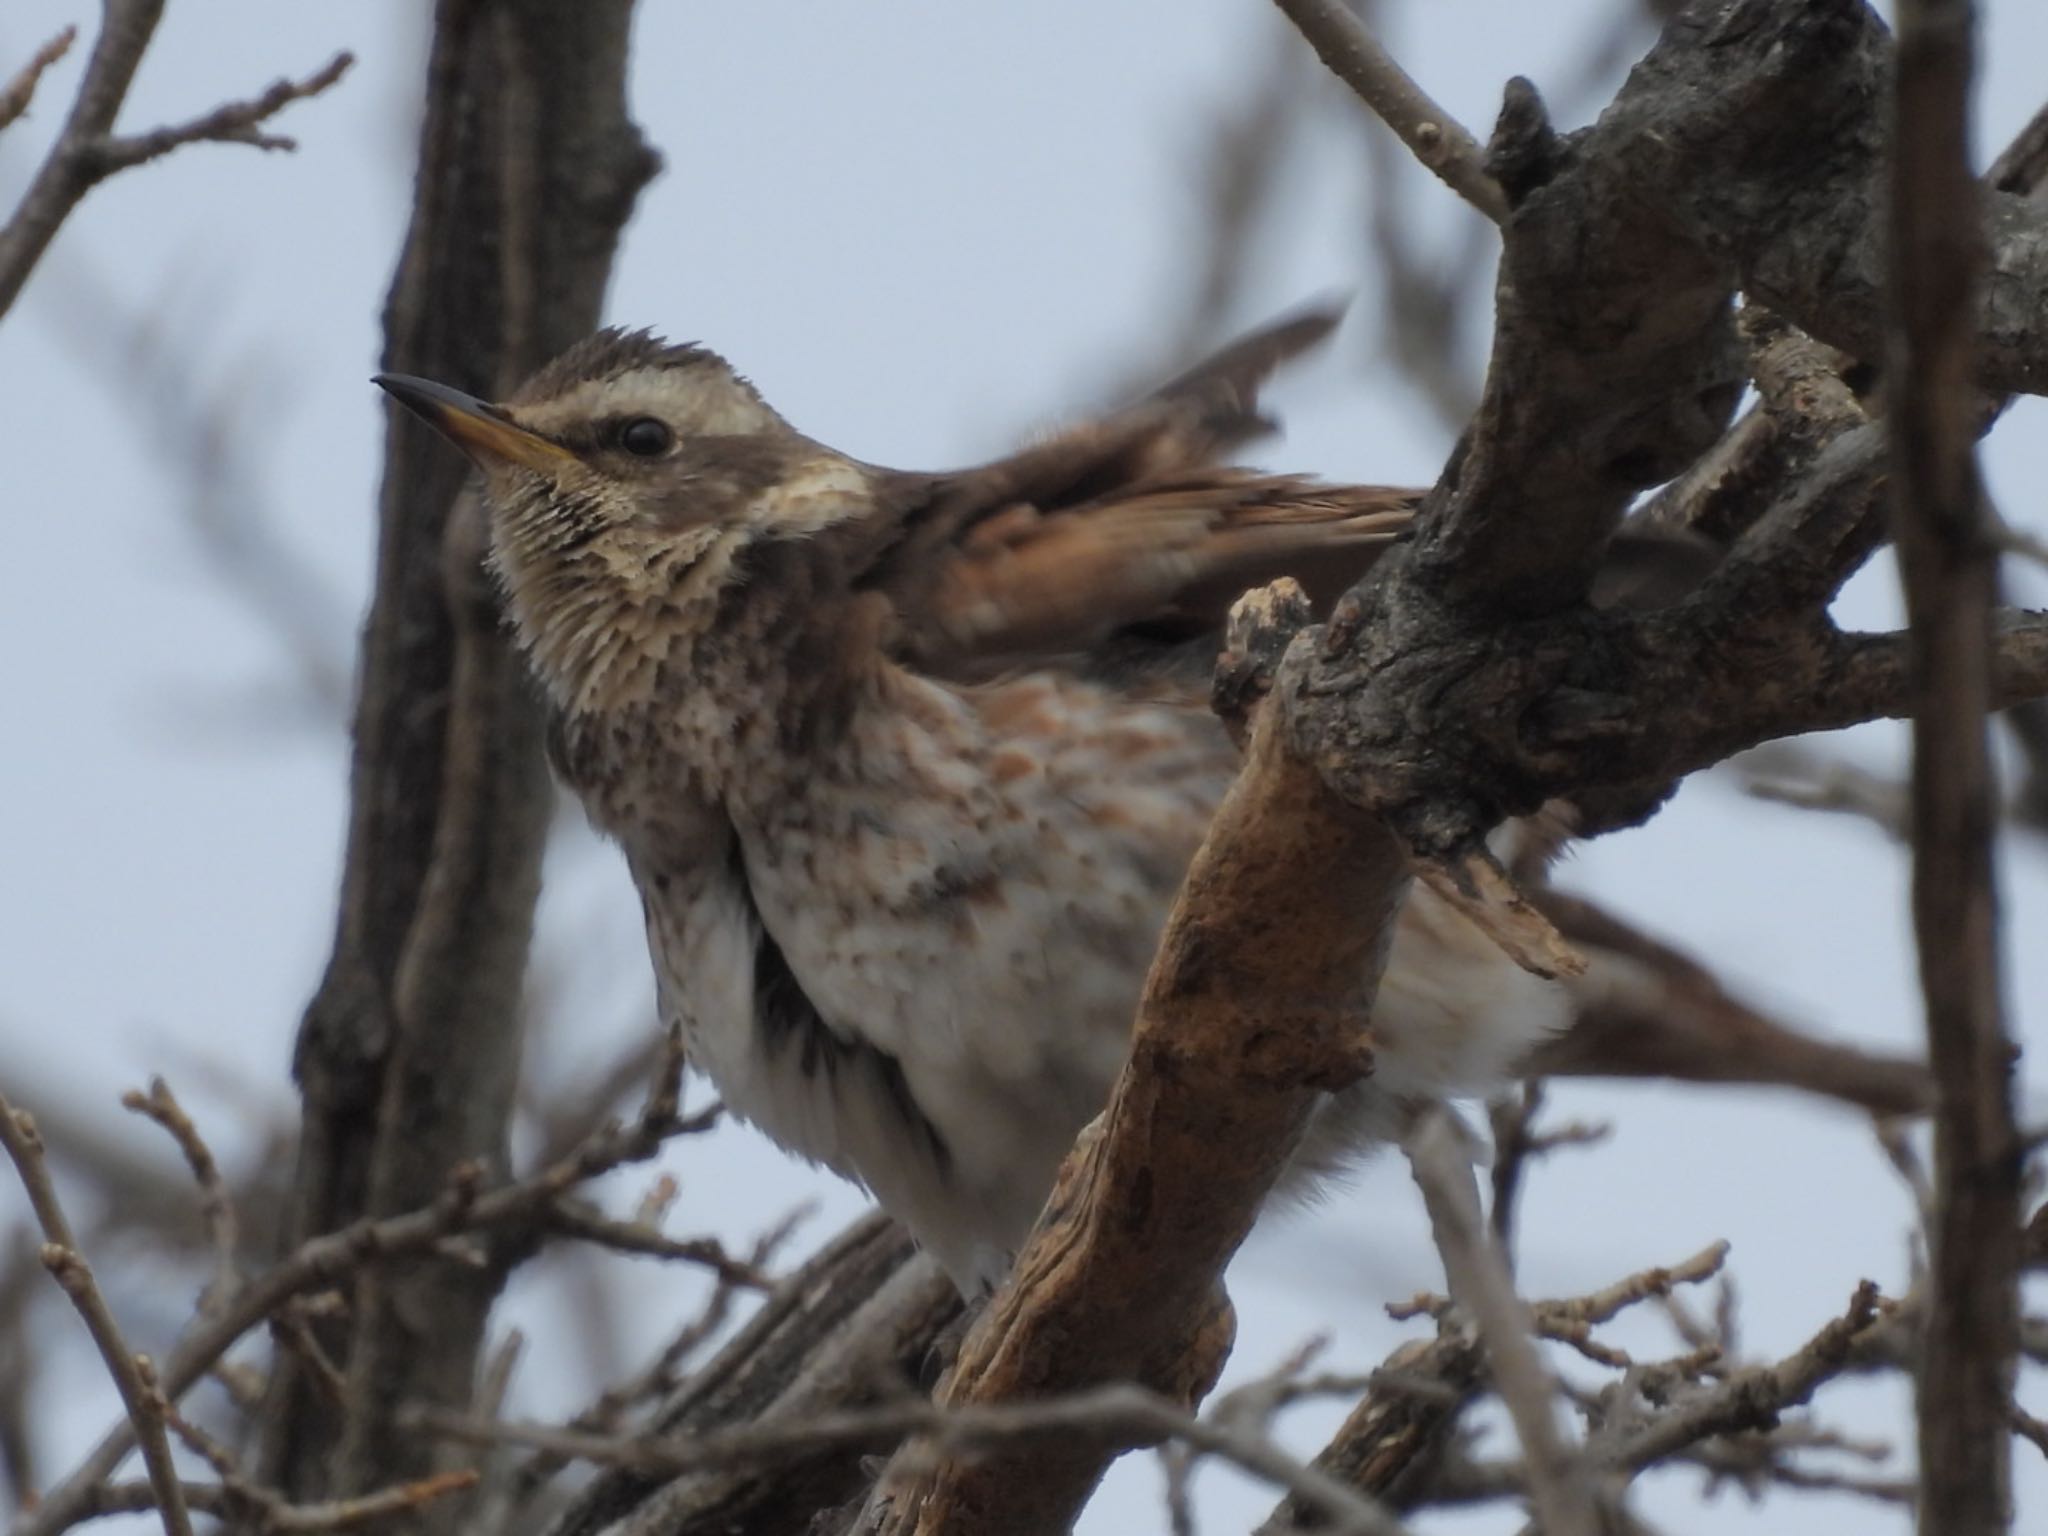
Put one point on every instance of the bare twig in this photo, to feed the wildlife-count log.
(1751, 1398)
(87, 151)
(1559, 1487)
(1121, 1411)
(1949, 565)
(2029, 1428)
(18, 1362)
(659, 1376)
(1571, 1320)
(275, 1517)
(1437, 139)
(1515, 1141)
(237, 122)
(1645, 1009)
(574, 1219)
(62, 1258)
(1610, 1301)
(323, 1260)
(1790, 773)
(16, 95)
(216, 1202)
(2019, 541)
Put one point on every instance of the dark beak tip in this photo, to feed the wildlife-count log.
(426, 398)
(408, 391)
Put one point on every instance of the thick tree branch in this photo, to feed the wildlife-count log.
(1772, 150)
(406, 1058)
(1254, 1006)
(1395, 1436)
(1466, 679)
(1949, 564)
(1643, 1009)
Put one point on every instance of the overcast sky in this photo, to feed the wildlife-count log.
(923, 228)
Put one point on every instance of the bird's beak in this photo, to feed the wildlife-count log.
(478, 428)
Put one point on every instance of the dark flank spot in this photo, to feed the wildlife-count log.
(1010, 765)
(789, 1021)
(950, 885)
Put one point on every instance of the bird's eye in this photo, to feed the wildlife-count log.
(645, 437)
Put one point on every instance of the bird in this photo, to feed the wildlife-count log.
(907, 767)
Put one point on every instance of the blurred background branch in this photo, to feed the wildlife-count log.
(529, 166)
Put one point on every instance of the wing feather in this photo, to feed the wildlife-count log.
(1126, 523)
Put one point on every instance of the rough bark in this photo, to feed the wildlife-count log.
(1255, 1005)
(528, 167)
(1446, 709)
(1934, 267)
(861, 1316)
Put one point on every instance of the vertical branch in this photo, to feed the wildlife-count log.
(1949, 567)
(1253, 1006)
(66, 1263)
(1560, 1489)
(409, 1049)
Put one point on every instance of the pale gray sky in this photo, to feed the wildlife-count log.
(922, 228)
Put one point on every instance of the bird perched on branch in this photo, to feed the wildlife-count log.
(908, 767)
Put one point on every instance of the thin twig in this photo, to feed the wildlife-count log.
(2034, 1431)
(321, 1261)
(2020, 541)
(572, 1218)
(87, 151)
(1790, 773)
(1123, 1410)
(62, 1258)
(1435, 138)
(1515, 1141)
(237, 122)
(216, 1202)
(1559, 1487)
(1751, 1398)
(610, 1408)
(16, 95)
(1572, 1321)
(275, 1517)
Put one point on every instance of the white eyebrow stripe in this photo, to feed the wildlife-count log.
(702, 399)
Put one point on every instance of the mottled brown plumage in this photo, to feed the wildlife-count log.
(907, 767)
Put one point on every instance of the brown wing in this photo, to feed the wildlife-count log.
(1125, 522)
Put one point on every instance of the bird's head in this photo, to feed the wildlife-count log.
(624, 481)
